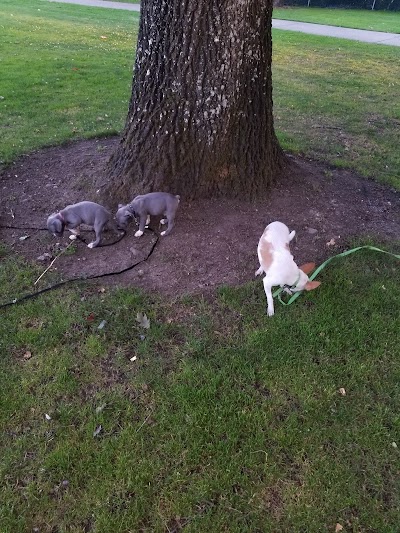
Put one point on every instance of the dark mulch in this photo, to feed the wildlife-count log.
(214, 242)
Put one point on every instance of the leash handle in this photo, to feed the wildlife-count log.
(321, 267)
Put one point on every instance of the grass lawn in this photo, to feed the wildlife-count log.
(363, 19)
(227, 420)
(66, 73)
(336, 100)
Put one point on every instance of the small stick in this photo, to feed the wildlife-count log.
(143, 423)
(51, 264)
(12, 213)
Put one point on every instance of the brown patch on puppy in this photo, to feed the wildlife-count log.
(266, 254)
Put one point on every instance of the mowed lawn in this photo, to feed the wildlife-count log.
(226, 421)
(66, 73)
(336, 100)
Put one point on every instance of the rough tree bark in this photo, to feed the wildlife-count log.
(200, 118)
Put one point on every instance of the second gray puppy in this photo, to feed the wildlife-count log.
(153, 203)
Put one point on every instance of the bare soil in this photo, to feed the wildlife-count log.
(214, 242)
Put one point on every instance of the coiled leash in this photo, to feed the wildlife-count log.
(294, 296)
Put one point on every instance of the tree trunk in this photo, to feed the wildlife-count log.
(200, 118)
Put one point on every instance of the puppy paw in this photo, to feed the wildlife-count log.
(91, 245)
(138, 233)
(163, 221)
(72, 237)
(270, 312)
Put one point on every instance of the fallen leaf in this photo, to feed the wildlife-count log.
(338, 528)
(394, 444)
(133, 358)
(102, 324)
(103, 37)
(97, 430)
(100, 408)
(342, 391)
(143, 320)
(90, 317)
(27, 354)
(47, 417)
(332, 242)
(102, 289)
(24, 237)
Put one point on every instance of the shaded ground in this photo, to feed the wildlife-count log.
(213, 243)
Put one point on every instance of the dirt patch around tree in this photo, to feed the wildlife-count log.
(214, 242)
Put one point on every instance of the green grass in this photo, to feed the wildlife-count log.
(227, 420)
(336, 100)
(66, 73)
(363, 19)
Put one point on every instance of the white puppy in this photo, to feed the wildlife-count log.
(278, 264)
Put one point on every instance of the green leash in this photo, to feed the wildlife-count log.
(318, 270)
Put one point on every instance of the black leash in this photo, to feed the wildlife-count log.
(81, 278)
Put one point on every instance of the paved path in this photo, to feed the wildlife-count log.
(377, 37)
(366, 36)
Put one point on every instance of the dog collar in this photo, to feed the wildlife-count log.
(296, 282)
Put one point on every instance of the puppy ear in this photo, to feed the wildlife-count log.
(311, 285)
(291, 235)
(307, 268)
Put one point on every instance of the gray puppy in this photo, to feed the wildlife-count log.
(81, 213)
(153, 203)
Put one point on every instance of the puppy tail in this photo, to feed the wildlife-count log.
(291, 235)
